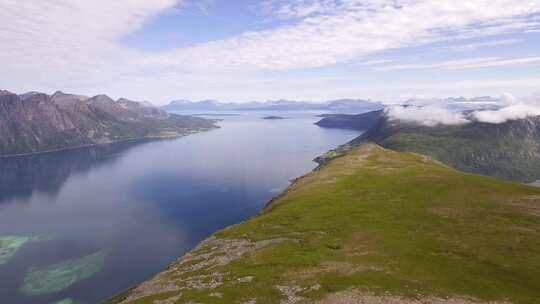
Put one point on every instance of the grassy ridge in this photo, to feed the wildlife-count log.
(509, 150)
(378, 222)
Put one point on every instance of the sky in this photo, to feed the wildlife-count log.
(245, 50)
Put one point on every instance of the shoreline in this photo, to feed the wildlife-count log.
(127, 140)
(216, 265)
(120, 296)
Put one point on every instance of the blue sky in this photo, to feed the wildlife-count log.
(240, 50)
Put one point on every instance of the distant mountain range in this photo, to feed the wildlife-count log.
(36, 122)
(509, 150)
(346, 106)
(342, 105)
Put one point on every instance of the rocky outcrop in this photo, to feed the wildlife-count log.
(38, 122)
(144, 108)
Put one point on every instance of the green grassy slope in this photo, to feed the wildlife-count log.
(373, 225)
(509, 150)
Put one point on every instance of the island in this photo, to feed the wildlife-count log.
(274, 117)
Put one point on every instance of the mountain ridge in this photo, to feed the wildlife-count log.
(509, 150)
(277, 105)
(38, 122)
(373, 226)
(345, 105)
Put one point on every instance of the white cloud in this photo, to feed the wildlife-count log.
(435, 112)
(431, 115)
(473, 63)
(482, 45)
(287, 9)
(76, 44)
(375, 62)
(353, 29)
(63, 42)
(512, 109)
(468, 84)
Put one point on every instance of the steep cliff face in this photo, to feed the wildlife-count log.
(143, 108)
(34, 123)
(38, 122)
(62, 99)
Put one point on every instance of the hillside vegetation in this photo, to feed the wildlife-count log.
(373, 226)
(509, 150)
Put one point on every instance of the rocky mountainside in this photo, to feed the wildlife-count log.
(37, 122)
(145, 109)
(509, 150)
(373, 226)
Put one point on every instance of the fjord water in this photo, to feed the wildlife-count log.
(98, 220)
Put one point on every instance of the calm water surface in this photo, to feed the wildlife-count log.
(141, 205)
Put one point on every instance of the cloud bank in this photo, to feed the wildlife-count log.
(512, 109)
(426, 115)
(433, 113)
(77, 44)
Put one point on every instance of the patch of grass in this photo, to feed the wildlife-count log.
(151, 299)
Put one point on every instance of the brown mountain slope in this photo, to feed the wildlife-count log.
(40, 122)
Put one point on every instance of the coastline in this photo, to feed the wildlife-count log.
(121, 296)
(145, 138)
(305, 249)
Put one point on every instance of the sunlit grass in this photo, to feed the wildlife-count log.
(388, 223)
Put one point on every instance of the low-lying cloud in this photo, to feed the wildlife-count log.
(507, 108)
(426, 115)
(512, 109)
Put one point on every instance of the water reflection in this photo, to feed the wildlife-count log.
(47, 172)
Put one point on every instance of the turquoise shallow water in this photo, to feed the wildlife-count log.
(111, 216)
